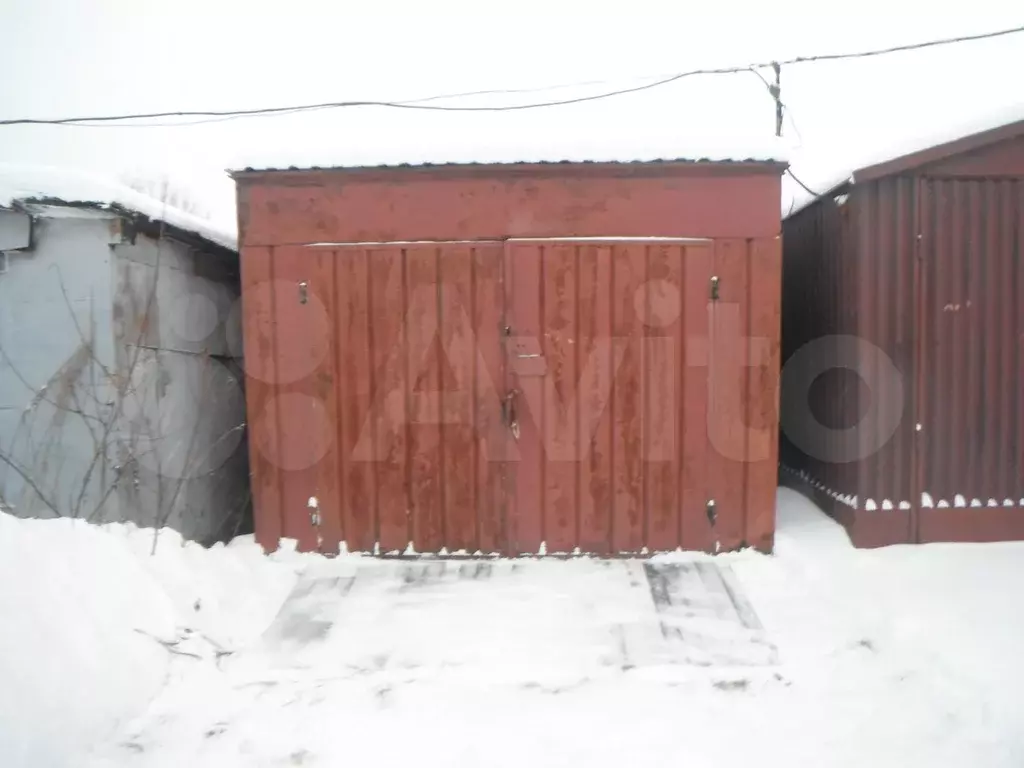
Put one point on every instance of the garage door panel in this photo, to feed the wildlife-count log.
(695, 529)
(524, 349)
(260, 362)
(560, 414)
(389, 409)
(357, 468)
(299, 435)
(528, 396)
(490, 434)
(613, 335)
(324, 388)
(762, 395)
(628, 275)
(459, 351)
(422, 387)
(662, 354)
(599, 358)
(728, 376)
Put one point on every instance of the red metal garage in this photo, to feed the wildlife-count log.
(512, 359)
(918, 258)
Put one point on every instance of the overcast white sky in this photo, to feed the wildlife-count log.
(68, 57)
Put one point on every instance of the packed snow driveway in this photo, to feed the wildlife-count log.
(528, 621)
(456, 651)
(817, 655)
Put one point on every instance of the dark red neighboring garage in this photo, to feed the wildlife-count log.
(919, 259)
(520, 358)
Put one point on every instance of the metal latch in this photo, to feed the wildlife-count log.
(714, 287)
(303, 292)
(711, 512)
(508, 412)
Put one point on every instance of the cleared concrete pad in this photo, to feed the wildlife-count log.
(526, 619)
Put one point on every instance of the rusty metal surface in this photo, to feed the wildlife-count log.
(930, 275)
(374, 411)
(381, 396)
(460, 203)
(509, 395)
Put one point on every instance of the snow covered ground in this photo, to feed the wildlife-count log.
(86, 613)
(818, 655)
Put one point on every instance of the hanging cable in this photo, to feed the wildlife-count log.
(806, 189)
(423, 103)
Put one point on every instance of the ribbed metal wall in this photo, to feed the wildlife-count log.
(885, 318)
(519, 397)
(927, 271)
(415, 339)
(656, 399)
(374, 382)
(972, 414)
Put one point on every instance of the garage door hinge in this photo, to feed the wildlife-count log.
(714, 287)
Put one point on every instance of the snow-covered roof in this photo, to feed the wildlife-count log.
(821, 188)
(22, 184)
(473, 153)
(514, 138)
(902, 146)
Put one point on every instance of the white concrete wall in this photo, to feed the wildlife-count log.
(134, 367)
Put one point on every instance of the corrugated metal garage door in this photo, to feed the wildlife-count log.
(513, 397)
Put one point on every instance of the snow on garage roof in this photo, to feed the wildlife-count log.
(575, 135)
(906, 147)
(482, 153)
(22, 184)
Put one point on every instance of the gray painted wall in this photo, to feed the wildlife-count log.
(184, 444)
(120, 396)
(55, 316)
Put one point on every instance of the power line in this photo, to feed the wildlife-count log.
(541, 89)
(316, 107)
(414, 104)
(907, 47)
(807, 189)
(423, 103)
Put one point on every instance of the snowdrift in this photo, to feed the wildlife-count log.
(93, 616)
